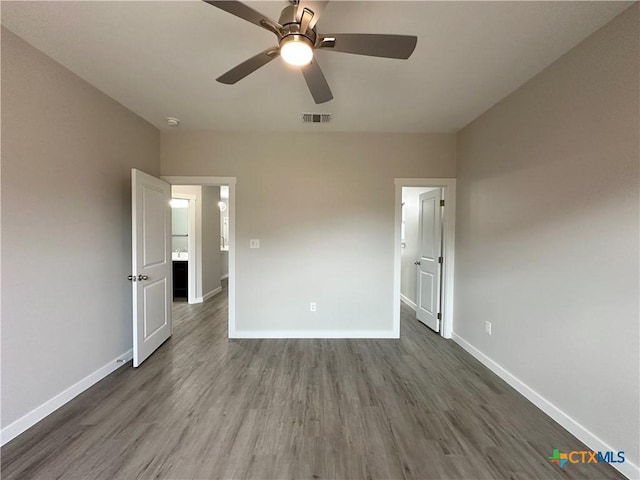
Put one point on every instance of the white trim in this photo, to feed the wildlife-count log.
(314, 334)
(408, 302)
(212, 293)
(199, 180)
(222, 277)
(194, 265)
(25, 422)
(448, 186)
(628, 469)
(217, 181)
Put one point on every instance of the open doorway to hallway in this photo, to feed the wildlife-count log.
(214, 222)
(424, 251)
(197, 242)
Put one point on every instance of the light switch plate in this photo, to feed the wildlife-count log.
(254, 243)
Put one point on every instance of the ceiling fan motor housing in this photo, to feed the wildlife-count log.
(288, 15)
(290, 26)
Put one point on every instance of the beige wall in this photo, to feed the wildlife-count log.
(67, 154)
(547, 234)
(323, 207)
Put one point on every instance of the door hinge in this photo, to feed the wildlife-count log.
(440, 259)
(438, 316)
(442, 203)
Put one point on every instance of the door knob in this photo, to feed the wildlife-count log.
(142, 277)
(131, 278)
(417, 262)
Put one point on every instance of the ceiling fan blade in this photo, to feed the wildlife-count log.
(249, 66)
(315, 6)
(375, 45)
(316, 82)
(239, 9)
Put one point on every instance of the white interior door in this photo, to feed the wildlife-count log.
(151, 274)
(429, 258)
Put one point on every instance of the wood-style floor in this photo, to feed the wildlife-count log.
(205, 407)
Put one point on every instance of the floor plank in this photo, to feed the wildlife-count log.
(205, 407)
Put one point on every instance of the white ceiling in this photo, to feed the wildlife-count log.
(161, 59)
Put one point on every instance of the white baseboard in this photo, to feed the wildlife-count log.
(628, 469)
(257, 334)
(25, 422)
(408, 302)
(226, 275)
(211, 294)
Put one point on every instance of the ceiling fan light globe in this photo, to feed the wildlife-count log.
(296, 50)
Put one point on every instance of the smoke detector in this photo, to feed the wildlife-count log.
(173, 121)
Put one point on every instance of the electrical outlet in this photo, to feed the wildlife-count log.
(254, 243)
(312, 307)
(487, 327)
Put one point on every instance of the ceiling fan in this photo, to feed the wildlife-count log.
(298, 38)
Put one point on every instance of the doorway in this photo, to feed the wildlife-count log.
(196, 241)
(442, 299)
(421, 253)
(228, 253)
(183, 244)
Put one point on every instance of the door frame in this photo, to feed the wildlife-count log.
(448, 186)
(207, 181)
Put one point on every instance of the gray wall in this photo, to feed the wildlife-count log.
(224, 266)
(323, 206)
(211, 255)
(547, 234)
(67, 154)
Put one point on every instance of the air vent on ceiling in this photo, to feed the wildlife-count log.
(316, 117)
